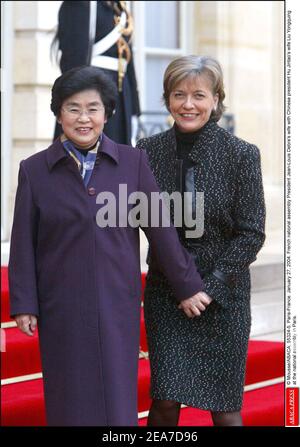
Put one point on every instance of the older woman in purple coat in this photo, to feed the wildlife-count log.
(78, 278)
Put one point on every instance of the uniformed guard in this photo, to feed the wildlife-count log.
(99, 33)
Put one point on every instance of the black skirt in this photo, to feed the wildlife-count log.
(199, 362)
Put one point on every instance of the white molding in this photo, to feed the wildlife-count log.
(143, 355)
(143, 414)
(186, 18)
(266, 383)
(163, 52)
(20, 379)
(9, 325)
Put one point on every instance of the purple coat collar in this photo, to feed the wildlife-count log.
(56, 151)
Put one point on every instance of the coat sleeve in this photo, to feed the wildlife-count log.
(173, 259)
(249, 225)
(73, 34)
(22, 265)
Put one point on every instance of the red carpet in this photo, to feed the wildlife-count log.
(265, 361)
(269, 400)
(4, 295)
(143, 339)
(23, 403)
(263, 407)
(22, 356)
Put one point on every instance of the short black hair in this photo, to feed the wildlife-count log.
(78, 79)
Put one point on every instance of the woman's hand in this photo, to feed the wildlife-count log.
(26, 323)
(193, 306)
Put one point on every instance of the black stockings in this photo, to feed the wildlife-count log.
(166, 413)
(227, 418)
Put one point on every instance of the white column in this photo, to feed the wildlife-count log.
(6, 106)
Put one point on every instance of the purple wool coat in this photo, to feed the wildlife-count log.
(84, 282)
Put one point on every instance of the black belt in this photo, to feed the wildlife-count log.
(227, 278)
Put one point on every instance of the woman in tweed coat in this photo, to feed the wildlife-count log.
(198, 358)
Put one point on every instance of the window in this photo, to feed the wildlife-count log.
(159, 37)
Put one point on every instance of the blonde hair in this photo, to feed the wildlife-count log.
(190, 66)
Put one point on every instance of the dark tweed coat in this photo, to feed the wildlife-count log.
(84, 282)
(201, 362)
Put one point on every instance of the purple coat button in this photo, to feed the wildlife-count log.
(91, 191)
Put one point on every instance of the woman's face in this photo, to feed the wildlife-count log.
(82, 118)
(191, 103)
